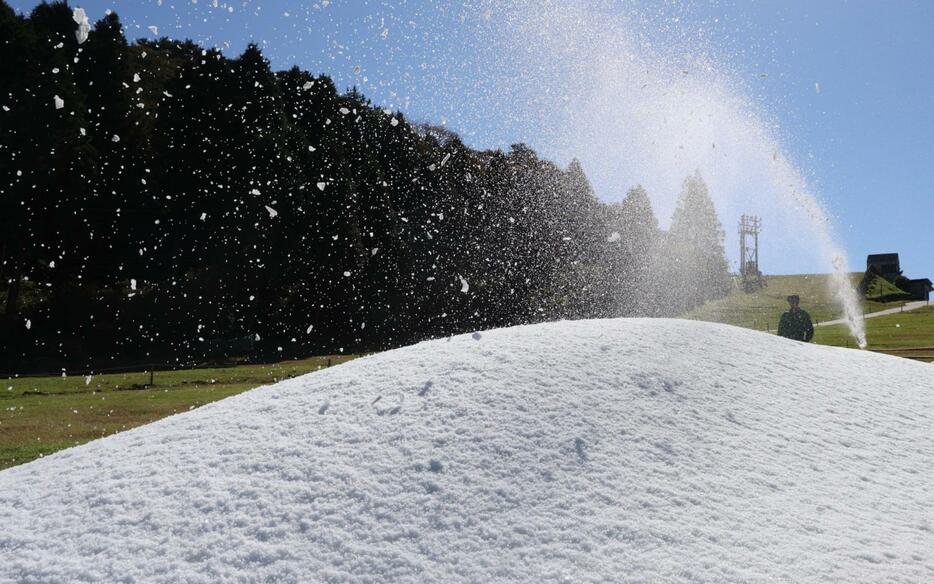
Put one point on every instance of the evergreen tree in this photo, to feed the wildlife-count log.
(50, 237)
(179, 197)
(632, 245)
(695, 268)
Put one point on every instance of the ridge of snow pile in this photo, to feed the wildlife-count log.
(613, 450)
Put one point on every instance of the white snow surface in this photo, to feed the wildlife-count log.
(607, 450)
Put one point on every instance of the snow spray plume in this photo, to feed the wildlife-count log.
(642, 98)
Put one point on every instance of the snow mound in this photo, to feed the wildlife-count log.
(613, 450)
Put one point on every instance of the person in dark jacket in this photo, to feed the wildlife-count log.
(796, 323)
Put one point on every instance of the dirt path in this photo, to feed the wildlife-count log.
(908, 306)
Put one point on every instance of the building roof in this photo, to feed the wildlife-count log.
(881, 257)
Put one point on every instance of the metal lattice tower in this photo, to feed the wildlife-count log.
(749, 228)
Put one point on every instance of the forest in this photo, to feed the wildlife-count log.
(163, 202)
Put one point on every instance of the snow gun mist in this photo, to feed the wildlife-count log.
(647, 99)
(450, 168)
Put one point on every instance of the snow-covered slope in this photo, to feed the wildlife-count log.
(615, 450)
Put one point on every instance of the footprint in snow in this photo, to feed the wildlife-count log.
(391, 410)
(425, 389)
(581, 448)
(434, 465)
(476, 336)
(324, 407)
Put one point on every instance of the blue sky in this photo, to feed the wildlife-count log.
(865, 142)
(869, 134)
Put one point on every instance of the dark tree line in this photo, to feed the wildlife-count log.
(156, 196)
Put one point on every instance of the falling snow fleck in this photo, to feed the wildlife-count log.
(84, 27)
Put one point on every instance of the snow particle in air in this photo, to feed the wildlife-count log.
(84, 27)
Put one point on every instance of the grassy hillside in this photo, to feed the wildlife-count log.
(41, 415)
(884, 291)
(908, 334)
(761, 310)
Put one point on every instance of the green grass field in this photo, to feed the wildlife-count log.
(761, 310)
(40, 415)
(907, 334)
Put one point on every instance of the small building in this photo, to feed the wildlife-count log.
(885, 264)
(920, 289)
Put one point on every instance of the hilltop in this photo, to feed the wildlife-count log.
(648, 450)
